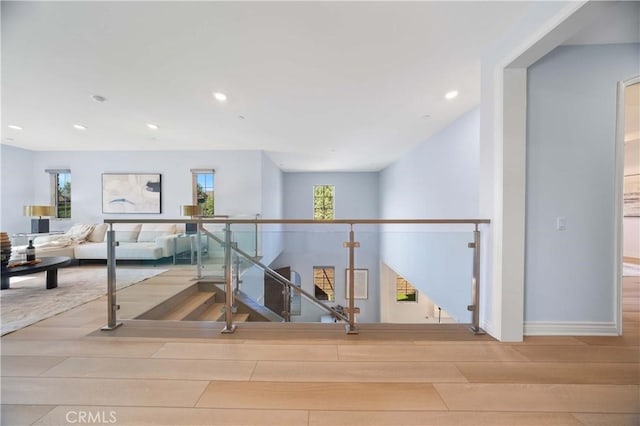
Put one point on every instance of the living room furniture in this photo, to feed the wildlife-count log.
(48, 264)
(191, 210)
(22, 238)
(136, 241)
(39, 225)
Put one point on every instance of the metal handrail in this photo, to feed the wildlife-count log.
(111, 300)
(279, 278)
(307, 221)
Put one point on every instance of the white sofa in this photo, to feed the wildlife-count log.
(147, 241)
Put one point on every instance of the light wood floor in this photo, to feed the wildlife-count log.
(64, 370)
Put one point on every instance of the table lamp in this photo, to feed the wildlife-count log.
(40, 225)
(191, 228)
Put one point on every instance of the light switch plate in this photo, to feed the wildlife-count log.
(561, 223)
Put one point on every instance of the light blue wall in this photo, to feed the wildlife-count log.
(571, 173)
(238, 182)
(436, 180)
(272, 208)
(17, 188)
(356, 196)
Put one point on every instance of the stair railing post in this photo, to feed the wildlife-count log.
(112, 304)
(475, 287)
(286, 297)
(199, 249)
(235, 276)
(351, 245)
(228, 279)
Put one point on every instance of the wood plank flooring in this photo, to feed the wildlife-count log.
(191, 374)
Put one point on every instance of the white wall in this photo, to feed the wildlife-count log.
(17, 189)
(571, 174)
(436, 180)
(238, 183)
(392, 311)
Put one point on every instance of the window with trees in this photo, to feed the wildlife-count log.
(323, 202)
(405, 292)
(203, 190)
(61, 192)
(324, 282)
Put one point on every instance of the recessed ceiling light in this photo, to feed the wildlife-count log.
(79, 127)
(99, 98)
(425, 116)
(241, 117)
(9, 139)
(153, 126)
(452, 94)
(14, 127)
(220, 96)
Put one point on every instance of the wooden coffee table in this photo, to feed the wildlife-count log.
(48, 264)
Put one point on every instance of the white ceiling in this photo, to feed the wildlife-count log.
(319, 86)
(322, 86)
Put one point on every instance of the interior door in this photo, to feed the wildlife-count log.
(273, 298)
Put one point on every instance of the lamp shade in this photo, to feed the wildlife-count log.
(191, 228)
(191, 210)
(39, 211)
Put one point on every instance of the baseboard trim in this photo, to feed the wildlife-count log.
(570, 329)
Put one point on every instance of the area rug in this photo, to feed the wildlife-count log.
(630, 270)
(28, 301)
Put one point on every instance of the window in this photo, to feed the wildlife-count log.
(61, 192)
(323, 202)
(405, 292)
(323, 282)
(202, 189)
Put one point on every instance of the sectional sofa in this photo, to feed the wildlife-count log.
(135, 242)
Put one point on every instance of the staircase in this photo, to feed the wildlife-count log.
(202, 301)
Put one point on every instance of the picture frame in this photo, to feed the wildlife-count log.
(132, 193)
(631, 198)
(361, 283)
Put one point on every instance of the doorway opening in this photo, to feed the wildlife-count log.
(629, 175)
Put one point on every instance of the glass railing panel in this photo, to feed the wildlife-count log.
(317, 260)
(211, 250)
(435, 260)
(245, 236)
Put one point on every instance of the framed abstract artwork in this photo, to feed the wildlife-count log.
(131, 193)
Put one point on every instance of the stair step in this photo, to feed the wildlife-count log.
(212, 313)
(240, 317)
(193, 303)
(216, 313)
